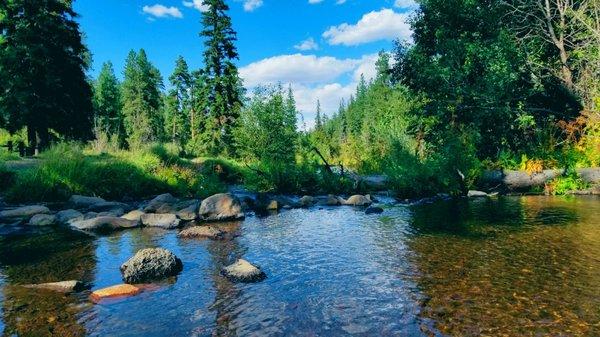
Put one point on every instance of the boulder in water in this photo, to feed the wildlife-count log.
(221, 207)
(306, 201)
(166, 221)
(121, 290)
(42, 220)
(208, 232)
(151, 264)
(164, 203)
(135, 215)
(358, 200)
(25, 212)
(189, 212)
(68, 215)
(104, 224)
(243, 271)
(83, 202)
(477, 194)
(62, 287)
(111, 207)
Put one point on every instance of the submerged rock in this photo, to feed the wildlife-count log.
(221, 207)
(68, 215)
(374, 210)
(166, 221)
(25, 212)
(121, 290)
(208, 232)
(104, 224)
(83, 202)
(62, 287)
(358, 200)
(243, 271)
(151, 264)
(42, 220)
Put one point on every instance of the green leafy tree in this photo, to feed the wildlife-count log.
(142, 100)
(223, 85)
(108, 115)
(43, 85)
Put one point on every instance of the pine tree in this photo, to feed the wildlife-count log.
(318, 119)
(224, 87)
(142, 100)
(108, 116)
(178, 117)
(42, 71)
(383, 68)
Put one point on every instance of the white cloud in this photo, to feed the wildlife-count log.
(374, 26)
(251, 5)
(327, 79)
(161, 11)
(406, 4)
(296, 68)
(197, 4)
(308, 44)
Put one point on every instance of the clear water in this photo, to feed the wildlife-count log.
(509, 266)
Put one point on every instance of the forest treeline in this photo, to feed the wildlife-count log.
(483, 84)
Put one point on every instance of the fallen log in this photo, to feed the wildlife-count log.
(522, 181)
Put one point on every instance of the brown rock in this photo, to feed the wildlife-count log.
(121, 290)
(208, 232)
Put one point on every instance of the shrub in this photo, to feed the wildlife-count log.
(565, 184)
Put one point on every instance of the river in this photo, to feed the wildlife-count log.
(508, 266)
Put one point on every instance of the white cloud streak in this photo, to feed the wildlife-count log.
(374, 26)
(161, 11)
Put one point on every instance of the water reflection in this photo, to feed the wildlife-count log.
(530, 279)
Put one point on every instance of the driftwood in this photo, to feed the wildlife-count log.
(327, 166)
(522, 181)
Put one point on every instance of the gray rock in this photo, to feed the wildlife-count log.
(243, 271)
(83, 202)
(166, 221)
(42, 220)
(358, 200)
(25, 212)
(110, 206)
(330, 200)
(306, 201)
(117, 212)
(68, 215)
(164, 203)
(62, 287)
(135, 215)
(477, 194)
(189, 213)
(374, 210)
(90, 215)
(151, 264)
(221, 207)
(104, 224)
(208, 232)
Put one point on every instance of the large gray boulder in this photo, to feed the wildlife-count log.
(42, 220)
(112, 207)
(330, 200)
(24, 213)
(358, 200)
(221, 207)
(200, 232)
(188, 210)
(135, 215)
(243, 271)
(104, 224)
(66, 216)
(83, 202)
(306, 201)
(164, 203)
(151, 264)
(166, 221)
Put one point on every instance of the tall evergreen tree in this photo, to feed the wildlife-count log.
(225, 91)
(108, 115)
(42, 71)
(142, 100)
(318, 119)
(177, 118)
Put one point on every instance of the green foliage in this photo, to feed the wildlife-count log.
(42, 71)
(142, 100)
(108, 118)
(67, 169)
(566, 184)
(224, 89)
(267, 127)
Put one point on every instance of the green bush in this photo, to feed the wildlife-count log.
(566, 184)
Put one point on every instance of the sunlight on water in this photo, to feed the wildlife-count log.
(508, 266)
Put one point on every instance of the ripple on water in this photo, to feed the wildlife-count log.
(506, 266)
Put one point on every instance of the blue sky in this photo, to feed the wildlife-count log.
(319, 46)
